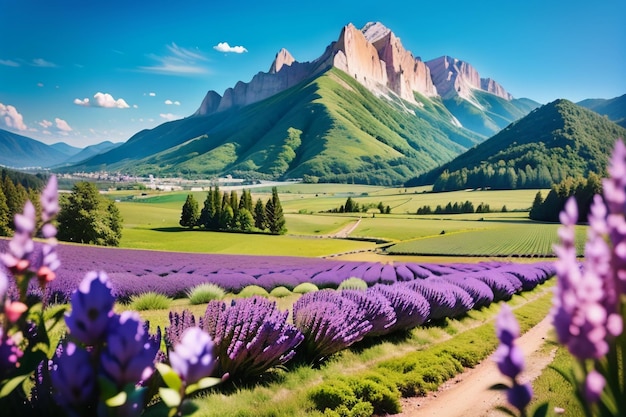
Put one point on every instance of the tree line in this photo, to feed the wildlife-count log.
(457, 208)
(583, 189)
(352, 206)
(225, 211)
(15, 189)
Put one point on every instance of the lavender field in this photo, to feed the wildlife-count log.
(134, 272)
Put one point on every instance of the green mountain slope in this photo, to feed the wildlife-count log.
(491, 114)
(328, 129)
(553, 142)
(614, 108)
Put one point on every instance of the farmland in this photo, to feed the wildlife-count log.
(151, 222)
(405, 311)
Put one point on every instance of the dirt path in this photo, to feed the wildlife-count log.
(468, 394)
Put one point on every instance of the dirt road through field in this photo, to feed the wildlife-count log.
(468, 394)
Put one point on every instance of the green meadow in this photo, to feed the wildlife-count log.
(151, 222)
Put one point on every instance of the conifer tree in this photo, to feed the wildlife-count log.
(190, 215)
(207, 214)
(259, 215)
(274, 214)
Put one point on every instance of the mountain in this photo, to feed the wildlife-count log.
(555, 141)
(65, 148)
(367, 110)
(90, 151)
(614, 109)
(19, 151)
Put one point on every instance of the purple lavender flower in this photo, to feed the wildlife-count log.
(192, 359)
(21, 245)
(49, 201)
(519, 395)
(4, 286)
(251, 336)
(92, 309)
(129, 353)
(594, 384)
(10, 354)
(585, 302)
(329, 323)
(510, 359)
(73, 378)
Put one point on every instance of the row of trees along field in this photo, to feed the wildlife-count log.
(227, 212)
(352, 206)
(15, 189)
(458, 208)
(583, 189)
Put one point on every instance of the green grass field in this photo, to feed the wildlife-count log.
(151, 222)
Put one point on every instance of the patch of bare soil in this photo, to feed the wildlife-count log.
(468, 394)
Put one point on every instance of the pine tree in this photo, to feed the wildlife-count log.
(190, 215)
(274, 214)
(259, 215)
(207, 214)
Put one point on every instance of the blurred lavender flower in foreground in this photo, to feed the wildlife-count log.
(192, 358)
(510, 359)
(73, 378)
(92, 309)
(129, 353)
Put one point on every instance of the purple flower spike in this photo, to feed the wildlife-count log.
(92, 309)
(519, 395)
(129, 353)
(594, 384)
(192, 359)
(49, 201)
(10, 354)
(73, 377)
(510, 360)
(4, 285)
(507, 327)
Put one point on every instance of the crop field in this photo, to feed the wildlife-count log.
(497, 238)
(151, 222)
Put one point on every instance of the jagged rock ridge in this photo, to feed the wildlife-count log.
(375, 57)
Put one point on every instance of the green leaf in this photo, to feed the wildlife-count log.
(11, 384)
(117, 400)
(541, 411)
(202, 384)
(171, 378)
(170, 397)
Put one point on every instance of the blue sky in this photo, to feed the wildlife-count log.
(83, 71)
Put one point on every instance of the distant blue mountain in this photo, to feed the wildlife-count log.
(68, 150)
(613, 108)
(17, 151)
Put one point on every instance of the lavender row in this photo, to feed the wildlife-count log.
(134, 272)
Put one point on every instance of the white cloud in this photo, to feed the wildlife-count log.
(103, 100)
(169, 116)
(45, 124)
(40, 62)
(170, 102)
(62, 125)
(9, 63)
(225, 47)
(39, 84)
(152, 94)
(83, 102)
(179, 61)
(11, 117)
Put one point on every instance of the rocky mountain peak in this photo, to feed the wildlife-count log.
(376, 58)
(454, 77)
(374, 31)
(283, 57)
